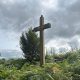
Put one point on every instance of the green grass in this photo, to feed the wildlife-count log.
(67, 69)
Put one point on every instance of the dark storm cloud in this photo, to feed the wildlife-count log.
(15, 13)
(65, 20)
(18, 15)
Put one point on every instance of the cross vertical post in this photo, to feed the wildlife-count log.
(41, 29)
(42, 55)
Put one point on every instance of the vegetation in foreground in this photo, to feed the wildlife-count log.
(57, 67)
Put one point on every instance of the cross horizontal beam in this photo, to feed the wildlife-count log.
(48, 25)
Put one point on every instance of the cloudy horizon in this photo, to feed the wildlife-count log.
(17, 16)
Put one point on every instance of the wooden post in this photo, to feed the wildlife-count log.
(42, 55)
(41, 29)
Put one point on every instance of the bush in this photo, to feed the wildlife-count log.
(29, 43)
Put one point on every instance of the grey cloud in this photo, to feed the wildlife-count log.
(65, 21)
(75, 7)
(21, 14)
(13, 15)
(74, 43)
(66, 3)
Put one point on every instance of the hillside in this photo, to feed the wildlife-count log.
(57, 67)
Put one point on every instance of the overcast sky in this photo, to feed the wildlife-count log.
(17, 16)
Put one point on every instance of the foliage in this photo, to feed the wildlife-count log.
(49, 58)
(29, 43)
(67, 69)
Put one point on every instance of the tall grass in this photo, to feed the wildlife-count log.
(66, 67)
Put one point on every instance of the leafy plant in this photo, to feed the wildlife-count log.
(29, 43)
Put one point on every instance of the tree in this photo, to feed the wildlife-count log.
(29, 44)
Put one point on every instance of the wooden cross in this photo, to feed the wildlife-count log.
(41, 29)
